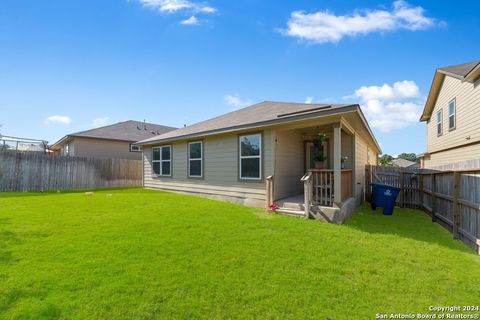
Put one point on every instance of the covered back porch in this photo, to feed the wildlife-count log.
(303, 186)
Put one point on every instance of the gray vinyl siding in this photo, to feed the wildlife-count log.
(220, 177)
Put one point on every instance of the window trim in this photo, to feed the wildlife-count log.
(140, 149)
(161, 161)
(240, 157)
(195, 159)
(439, 123)
(454, 115)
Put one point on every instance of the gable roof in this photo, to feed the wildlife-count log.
(459, 71)
(399, 162)
(130, 131)
(469, 72)
(258, 115)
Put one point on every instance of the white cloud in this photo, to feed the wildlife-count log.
(399, 90)
(309, 100)
(192, 21)
(324, 26)
(172, 6)
(100, 122)
(236, 102)
(58, 120)
(390, 107)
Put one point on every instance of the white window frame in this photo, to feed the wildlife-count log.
(161, 161)
(454, 115)
(195, 159)
(139, 148)
(240, 157)
(439, 122)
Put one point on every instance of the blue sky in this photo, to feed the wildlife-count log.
(67, 66)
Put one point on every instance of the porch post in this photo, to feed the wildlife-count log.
(337, 167)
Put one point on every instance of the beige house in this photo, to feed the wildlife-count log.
(452, 113)
(264, 154)
(112, 141)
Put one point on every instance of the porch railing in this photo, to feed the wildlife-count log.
(322, 186)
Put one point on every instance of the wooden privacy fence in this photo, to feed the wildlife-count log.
(450, 197)
(42, 172)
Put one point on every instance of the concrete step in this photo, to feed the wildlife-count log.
(293, 206)
(290, 212)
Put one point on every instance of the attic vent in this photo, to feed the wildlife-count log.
(303, 111)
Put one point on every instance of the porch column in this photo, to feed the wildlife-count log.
(337, 166)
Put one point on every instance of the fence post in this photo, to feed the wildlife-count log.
(402, 189)
(434, 199)
(367, 182)
(420, 190)
(456, 206)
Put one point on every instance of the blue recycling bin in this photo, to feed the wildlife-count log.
(384, 196)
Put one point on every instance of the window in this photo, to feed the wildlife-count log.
(250, 157)
(162, 160)
(134, 148)
(451, 115)
(68, 150)
(195, 159)
(439, 123)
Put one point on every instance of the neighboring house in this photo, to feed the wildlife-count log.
(403, 163)
(452, 113)
(259, 154)
(112, 141)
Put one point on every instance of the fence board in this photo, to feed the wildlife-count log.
(435, 192)
(41, 172)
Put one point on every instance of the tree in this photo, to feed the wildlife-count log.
(385, 159)
(408, 156)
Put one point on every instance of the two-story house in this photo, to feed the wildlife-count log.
(452, 113)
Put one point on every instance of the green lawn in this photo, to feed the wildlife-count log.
(139, 254)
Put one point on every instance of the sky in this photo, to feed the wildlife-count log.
(67, 66)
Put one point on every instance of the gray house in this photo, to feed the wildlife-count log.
(112, 141)
(265, 154)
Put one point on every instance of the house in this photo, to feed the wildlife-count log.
(112, 141)
(452, 115)
(404, 163)
(258, 156)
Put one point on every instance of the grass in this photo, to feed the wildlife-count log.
(141, 254)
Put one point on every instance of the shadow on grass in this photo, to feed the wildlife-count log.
(7, 239)
(59, 192)
(406, 223)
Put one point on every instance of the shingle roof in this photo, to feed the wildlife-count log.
(255, 114)
(399, 162)
(460, 70)
(126, 131)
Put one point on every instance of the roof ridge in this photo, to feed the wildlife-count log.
(108, 125)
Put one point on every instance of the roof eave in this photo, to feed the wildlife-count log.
(57, 144)
(365, 122)
(437, 81)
